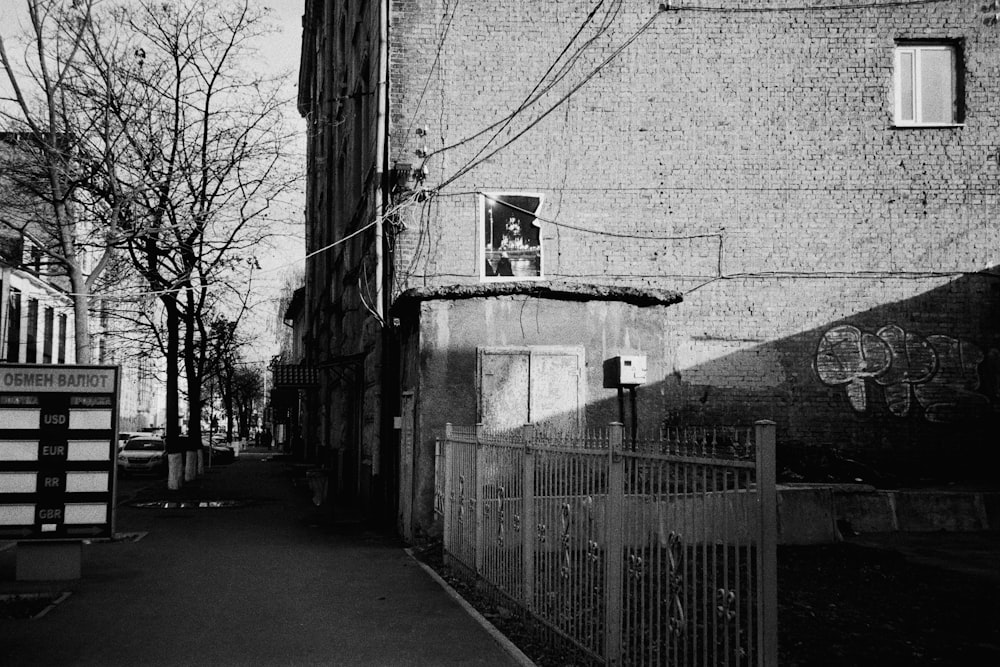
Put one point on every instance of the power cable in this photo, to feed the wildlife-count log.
(602, 232)
(563, 72)
(434, 66)
(572, 91)
(800, 8)
(179, 289)
(528, 99)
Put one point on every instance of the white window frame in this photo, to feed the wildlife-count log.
(483, 201)
(916, 49)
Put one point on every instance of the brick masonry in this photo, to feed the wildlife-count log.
(749, 160)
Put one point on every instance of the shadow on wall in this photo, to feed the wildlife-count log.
(903, 394)
(906, 393)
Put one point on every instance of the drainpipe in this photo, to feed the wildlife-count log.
(381, 154)
(381, 298)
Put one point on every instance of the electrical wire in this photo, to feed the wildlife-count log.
(505, 121)
(530, 98)
(572, 91)
(434, 65)
(210, 287)
(601, 232)
(843, 275)
(802, 8)
(364, 301)
(563, 72)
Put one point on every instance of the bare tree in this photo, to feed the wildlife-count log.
(238, 383)
(248, 390)
(195, 154)
(41, 169)
(153, 121)
(158, 125)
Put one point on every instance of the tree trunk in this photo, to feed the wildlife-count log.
(195, 464)
(81, 316)
(175, 449)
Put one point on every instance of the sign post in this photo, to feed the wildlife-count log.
(58, 450)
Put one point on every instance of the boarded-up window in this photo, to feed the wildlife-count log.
(541, 385)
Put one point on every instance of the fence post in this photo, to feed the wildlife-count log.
(478, 515)
(449, 502)
(767, 574)
(528, 519)
(613, 548)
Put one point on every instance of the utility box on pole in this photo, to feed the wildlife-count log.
(627, 370)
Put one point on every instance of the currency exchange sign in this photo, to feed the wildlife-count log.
(58, 433)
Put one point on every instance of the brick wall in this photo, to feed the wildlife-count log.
(748, 159)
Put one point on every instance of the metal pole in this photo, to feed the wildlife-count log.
(635, 417)
(449, 462)
(767, 575)
(479, 497)
(614, 548)
(528, 522)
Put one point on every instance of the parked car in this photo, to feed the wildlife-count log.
(143, 454)
(125, 436)
(220, 452)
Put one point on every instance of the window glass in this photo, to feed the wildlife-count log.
(145, 445)
(62, 339)
(926, 84)
(31, 342)
(48, 335)
(13, 326)
(936, 86)
(905, 77)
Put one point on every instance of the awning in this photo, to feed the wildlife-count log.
(289, 375)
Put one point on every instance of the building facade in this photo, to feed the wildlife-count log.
(816, 181)
(36, 316)
(37, 323)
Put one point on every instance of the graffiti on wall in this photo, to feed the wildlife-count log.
(939, 373)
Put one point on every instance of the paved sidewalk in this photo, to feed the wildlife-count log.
(263, 584)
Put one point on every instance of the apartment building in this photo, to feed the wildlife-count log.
(788, 209)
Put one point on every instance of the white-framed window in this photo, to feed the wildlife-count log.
(510, 236)
(927, 84)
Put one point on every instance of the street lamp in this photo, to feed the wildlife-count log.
(490, 241)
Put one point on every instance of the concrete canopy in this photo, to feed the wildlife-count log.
(547, 289)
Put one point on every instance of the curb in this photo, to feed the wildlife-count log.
(499, 637)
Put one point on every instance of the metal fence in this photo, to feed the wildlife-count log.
(659, 551)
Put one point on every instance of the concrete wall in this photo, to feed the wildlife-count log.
(439, 363)
(818, 514)
(839, 272)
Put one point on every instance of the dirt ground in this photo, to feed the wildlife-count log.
(840, 604)
(845, 604)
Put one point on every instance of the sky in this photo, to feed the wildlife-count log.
(279, 53)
